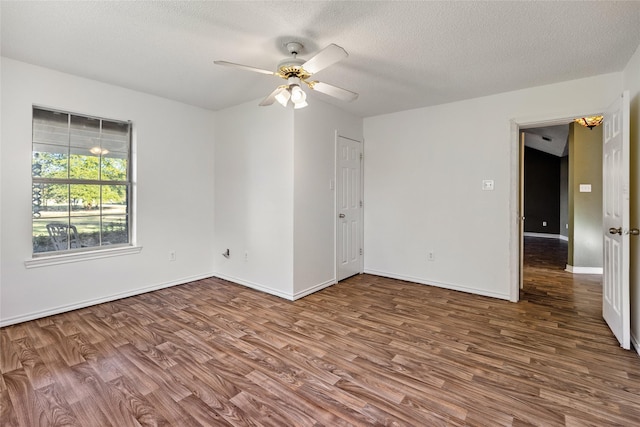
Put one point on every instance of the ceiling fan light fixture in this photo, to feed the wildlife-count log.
(283, 97)
(297, 71)
(297, 94)
(298, 97)
(301, 104)
(590, 122)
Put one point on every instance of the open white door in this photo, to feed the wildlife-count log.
(349, 207)
(615, 174)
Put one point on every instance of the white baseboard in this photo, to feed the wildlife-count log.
(546, 236)
(313, 289)
(583, 270)
(87, 303)
(438, 284)
(113, 297)
(276, 292)
(256, 286)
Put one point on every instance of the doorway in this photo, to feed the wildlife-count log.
(545, 178)
(545, 206)
(540, 135)
(563, 191)
(613, 149)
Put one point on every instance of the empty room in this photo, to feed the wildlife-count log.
(292, 213)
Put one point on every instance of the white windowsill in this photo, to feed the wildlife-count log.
(81, 256)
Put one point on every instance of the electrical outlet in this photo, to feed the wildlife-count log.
(246, 255)
(431, 256)
(172, 255)
(544, 223)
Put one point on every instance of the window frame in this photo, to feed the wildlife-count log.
(100, 250)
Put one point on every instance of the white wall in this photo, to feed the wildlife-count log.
(254, 197)
(314, 200)
(631, 82)
(423, 176)
(173, 144)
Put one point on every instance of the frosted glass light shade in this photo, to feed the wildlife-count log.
(297, 94)
(283, 97)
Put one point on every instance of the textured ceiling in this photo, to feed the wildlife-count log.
(402, 55)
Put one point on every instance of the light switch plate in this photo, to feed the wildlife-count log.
(585, 188)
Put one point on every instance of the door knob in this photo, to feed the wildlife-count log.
(341, 216)
(614, 230)
(634, 231)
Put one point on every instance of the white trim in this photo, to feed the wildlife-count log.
(256, 286)
(362, 207)
(546, 236)
(635, 342)
(95, 301)
(313, 289)
(271, 291)
(438, 284)
(336, 135)
(46, 261)
(515, 215)
(583, 270)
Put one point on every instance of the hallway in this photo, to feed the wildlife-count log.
(547, 283)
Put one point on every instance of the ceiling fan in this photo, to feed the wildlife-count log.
(297, 71)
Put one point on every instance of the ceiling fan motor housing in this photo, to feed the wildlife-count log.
(292, 67)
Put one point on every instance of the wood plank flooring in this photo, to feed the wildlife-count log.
(368, 351)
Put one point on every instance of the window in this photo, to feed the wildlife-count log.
(81, 182)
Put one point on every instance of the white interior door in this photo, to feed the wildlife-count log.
(349, 207)
(615, 173)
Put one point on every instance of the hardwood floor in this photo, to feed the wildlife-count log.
(368, 351)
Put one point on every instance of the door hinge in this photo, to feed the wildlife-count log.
(361, 156)
(361, 251)
(361, 204)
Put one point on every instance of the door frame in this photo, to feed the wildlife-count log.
(335, 204)
(516, 194)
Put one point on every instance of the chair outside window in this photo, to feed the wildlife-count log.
(63, 236)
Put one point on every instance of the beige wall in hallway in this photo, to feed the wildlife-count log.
(585, 208)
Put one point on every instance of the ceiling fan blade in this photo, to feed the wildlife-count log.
(335, 91)
(244, 67)
(272, 96)
(327, 56)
